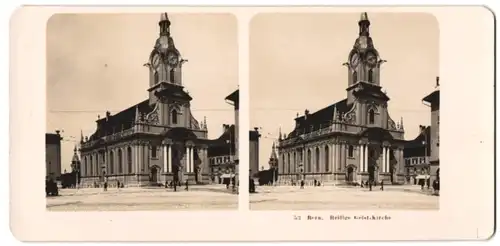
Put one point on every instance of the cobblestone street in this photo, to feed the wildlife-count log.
(341, 198)
(140, 199)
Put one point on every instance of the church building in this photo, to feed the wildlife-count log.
(354, 139)
(154, 141)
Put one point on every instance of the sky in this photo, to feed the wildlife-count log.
(296, 64)
(95, 64)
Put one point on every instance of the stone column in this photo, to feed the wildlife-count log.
(191, 158)
(387, 160)
(187, 159)
(384, 163)
(165, 165)
(169, 158)
(334, 158)
(366, 152)
(361, 157)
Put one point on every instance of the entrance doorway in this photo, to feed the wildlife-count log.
(153, 176)
(350, 174)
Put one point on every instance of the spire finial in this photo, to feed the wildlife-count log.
(334, 112)
(363, 17)
(81, 136)
(164, 17)
(137, 115)
(74, 149)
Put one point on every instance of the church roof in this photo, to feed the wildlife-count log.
(234, 97)
(416, 146)
(52, 138)
(224, 144)
(121, 120)
(319, 119)
(370, 90)
(432, 98)
(376, 133)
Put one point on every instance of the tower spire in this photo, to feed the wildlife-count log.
(364, 25)
(81, 136)
(164, 25)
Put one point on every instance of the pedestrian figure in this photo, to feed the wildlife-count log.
(361, 184)
(370, 185)
(118, 184)
(315, 182)
(382, 185)
(302, 184)
(187, 184)
(105, 185)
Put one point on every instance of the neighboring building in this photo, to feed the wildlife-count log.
(156, 140)
(432, 100)
(53, 155)
(221, 155)
(234, 99)
(254, 152)
(253, 135)
(354, 139)
(416, 154)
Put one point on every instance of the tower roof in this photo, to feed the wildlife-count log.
(164, 17)
(273, 153)
(363, 17)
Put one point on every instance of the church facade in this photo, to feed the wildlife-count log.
(354, 139)
(154, 141)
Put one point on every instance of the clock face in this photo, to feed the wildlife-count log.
(354, 60)
(155, 61)
(172, 59)
(371, 59)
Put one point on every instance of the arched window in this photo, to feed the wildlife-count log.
(174, 116)
(120, 161)
(129, 159)
(85, 163)
(172, 76)
(288, 164)
(111, 163)
(351, 151)
(371, 116)
(91, 165)
(308, 166)
(370, 75)
(295, 161)
(327, 159)
(156, 77)
(354, 77)
(317, 159)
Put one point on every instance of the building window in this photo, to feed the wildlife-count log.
(354, 77)
(153, 151)
(317, 159)
(174, 116)
(288, 164)
(111, 164)
(370, 76)
(156, 77)
(371, 116)
(327, 160)
(90, 163)
(120, 161)
(308, 166)
(351, 151)
(129, 159)
(172, 76)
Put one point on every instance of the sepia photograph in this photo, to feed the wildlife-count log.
(347, 108)
(141, 112)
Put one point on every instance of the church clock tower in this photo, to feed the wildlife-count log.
(166, 93)
(364, 95)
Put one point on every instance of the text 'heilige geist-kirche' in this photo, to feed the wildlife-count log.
(157, 140)
(354, 139)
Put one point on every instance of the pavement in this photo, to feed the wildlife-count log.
(207, 197)
(342, 198)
